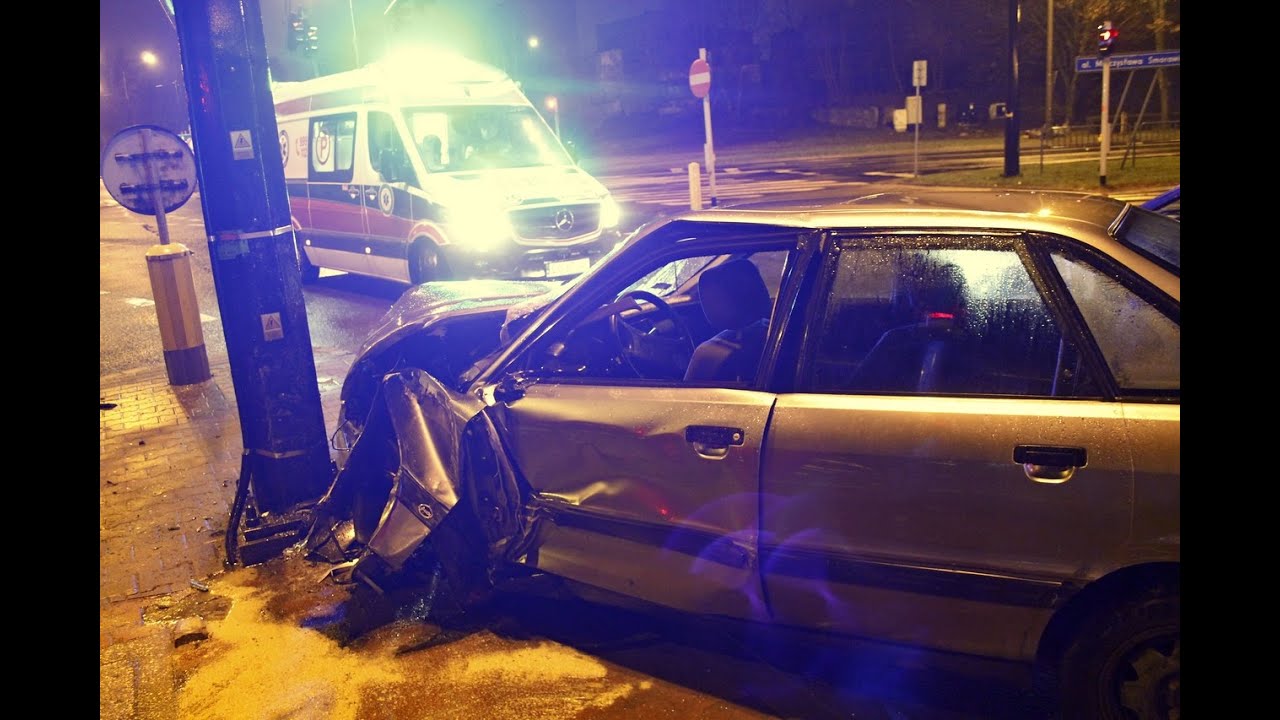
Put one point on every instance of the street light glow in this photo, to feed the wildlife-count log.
(534, 42)
(552, 104)
(149, 57)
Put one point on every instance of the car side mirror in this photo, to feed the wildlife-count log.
(510, 387)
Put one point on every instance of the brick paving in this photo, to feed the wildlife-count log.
(169, 457)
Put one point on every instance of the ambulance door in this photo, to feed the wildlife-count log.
(388, 206)
(336, 199)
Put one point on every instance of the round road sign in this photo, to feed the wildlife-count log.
(700, 78)
(146, 165)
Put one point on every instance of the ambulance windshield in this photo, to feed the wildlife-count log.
(483, 137)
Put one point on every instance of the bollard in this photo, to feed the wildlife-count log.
(695, 187)
(178, 313)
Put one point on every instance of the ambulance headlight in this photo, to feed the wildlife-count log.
(479, 228)
(610, 212)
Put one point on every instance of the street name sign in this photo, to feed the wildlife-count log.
(1132, 61)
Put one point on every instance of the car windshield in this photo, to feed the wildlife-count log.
(482, 137)
(1153, 235)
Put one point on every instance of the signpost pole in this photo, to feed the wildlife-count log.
(1106, 124)
(709, 150)
(162, 219)
(918, 77)
(915, 160)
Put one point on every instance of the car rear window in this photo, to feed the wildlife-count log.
(1153, 235)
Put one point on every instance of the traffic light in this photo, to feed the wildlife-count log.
(1106, 38)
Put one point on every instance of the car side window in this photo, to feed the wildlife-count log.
(1142, 346)
(964, 318)
(333, 145)
(661, 323)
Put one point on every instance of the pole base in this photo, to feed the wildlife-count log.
(268, 541)
(187, 367)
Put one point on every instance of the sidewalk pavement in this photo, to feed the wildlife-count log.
(169, 458)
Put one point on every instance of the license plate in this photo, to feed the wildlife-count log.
(568, 267)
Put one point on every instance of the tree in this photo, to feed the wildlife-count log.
(1075, 33)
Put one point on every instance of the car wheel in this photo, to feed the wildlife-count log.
(310, 273)
(425, 264)
(1126, 662)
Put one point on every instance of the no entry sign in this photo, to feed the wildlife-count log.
(700, 78)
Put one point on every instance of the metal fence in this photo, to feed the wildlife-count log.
(1123, 133)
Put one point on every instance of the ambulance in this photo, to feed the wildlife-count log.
(429, 166)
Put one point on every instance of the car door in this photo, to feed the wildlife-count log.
(945, 468)
(647, 487)
(336, 201)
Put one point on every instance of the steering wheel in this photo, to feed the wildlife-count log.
(629, 336)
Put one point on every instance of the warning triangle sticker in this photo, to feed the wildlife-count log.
(242, 141)
(273, 322)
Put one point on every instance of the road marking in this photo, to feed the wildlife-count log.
(140, 302)
(882, 173)
(670, 195)
(207, 319)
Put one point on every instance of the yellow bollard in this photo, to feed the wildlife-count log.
(178, 313)
(695, 186)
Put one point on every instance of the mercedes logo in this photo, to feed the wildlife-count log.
(564, 220)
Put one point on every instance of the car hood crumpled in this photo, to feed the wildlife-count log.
(420, 305)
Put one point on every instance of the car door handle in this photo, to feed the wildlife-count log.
(713, 441)
(1050, 464)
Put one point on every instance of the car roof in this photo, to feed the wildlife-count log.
(1085, 217)
(930, 207)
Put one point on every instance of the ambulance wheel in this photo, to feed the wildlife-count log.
(425, 263)
(310, 273)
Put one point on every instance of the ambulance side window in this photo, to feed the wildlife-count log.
(386, 150)
(333, 145)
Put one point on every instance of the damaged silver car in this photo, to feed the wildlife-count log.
(948, 419)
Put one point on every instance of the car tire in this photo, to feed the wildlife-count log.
(309, 273)
(1125, 663)
(425, 263)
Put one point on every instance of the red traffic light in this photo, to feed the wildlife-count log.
(1107, 35)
